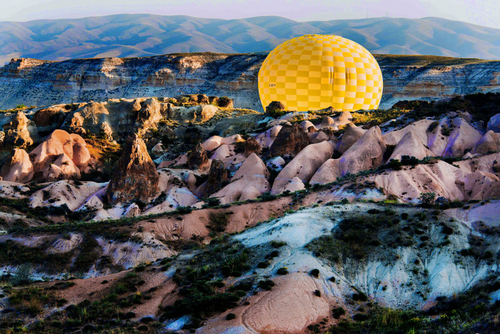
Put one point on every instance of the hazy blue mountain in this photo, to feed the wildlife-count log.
(144, 35)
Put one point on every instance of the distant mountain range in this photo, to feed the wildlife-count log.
(128, 35)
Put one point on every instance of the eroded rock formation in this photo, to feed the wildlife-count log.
(135, 176)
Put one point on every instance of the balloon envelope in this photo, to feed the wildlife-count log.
(315, 72)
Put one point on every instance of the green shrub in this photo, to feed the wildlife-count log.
(360, 317)
(282, 271)
(277, 244)
(184, 209)
(213, 201)
(315, 273)
(23, 275)
(266, 284)
(427, 198)
(360, 296)
(218, 221)
(263, 264)
(395, 164)
(338, 312)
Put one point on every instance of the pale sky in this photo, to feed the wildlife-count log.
(481, 12)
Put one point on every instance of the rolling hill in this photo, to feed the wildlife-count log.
(139, 35)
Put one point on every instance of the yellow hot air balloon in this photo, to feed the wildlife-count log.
(315, 72)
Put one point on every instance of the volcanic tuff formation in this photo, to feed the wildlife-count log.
(41, 83)
(135, 177)
(214, 174)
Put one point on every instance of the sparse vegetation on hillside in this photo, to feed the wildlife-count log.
(378, 234)
(425, 60)
(481, 106)
(471, 312)
(201, 281)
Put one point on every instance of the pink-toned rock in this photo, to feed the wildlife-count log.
(252, 167)
(190, 181)
(304, 165)
(366, 153)
(351, 135)
(59, 146)
(487, 163)
(43, 151)
(58, 143)
(67, 168)
(77, 139)
(224, 151)
(411, 145)
(319, 137)
(232, 139)
(81, 155)
(65, 192)
(181, 160)
(267, 138)
(275, 130)
(494, 123)
(294, 184)
(480, 185)
(18, 167)
(249, 192)
(158, 149)
(327, 173)
(344, 118)
(407, 184)
(327, 122)
(462, 138)
(132, 210)
(419, 128)
(489, 143)
(452, 137)
(165, 164)
(253, 172)
(308, 126)
(212, 143)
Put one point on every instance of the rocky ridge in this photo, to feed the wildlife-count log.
(43, 83)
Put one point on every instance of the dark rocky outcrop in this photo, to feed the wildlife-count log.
(203, 99)
(135, 176)
(16, 132)
(51, 117)
(252, 146)
(290, 140)
(217, 177)
(225, 102)
(275, 106)
(44, 83)
(197, 158)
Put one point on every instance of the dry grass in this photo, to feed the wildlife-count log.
(101, 149)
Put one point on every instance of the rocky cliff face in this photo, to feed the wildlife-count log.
(36, 82)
